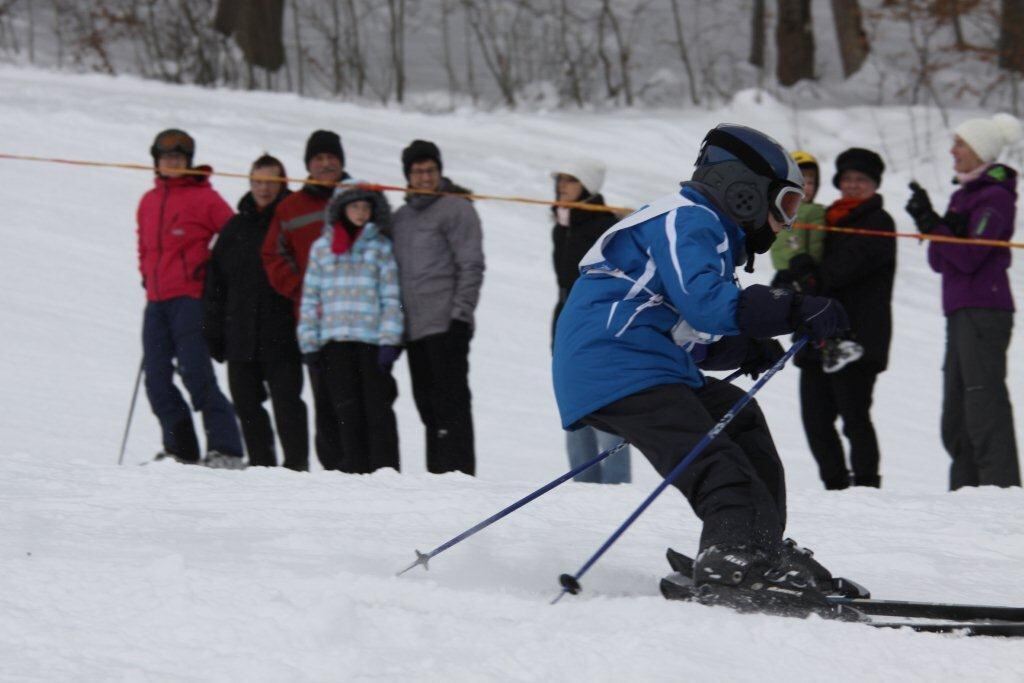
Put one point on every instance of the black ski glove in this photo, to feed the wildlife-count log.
(920, 209)
(311, 359)
(805, 273)
(762, 354)
(818, 317)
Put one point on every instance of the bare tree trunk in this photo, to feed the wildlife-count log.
(624, 51)
(355, 47)
(467, 43)
(300, 51)
(794, 41)
(683, 54)
(31, 31)
(757, 39)
(954, 17)
(336, 59)
(853, 41)
(396, 14)
(1011, 36)
(446, 36)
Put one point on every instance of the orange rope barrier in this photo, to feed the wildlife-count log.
(622, 210)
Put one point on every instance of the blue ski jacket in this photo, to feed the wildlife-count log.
(655, 285)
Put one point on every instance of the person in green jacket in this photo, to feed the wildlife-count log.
(802, 240)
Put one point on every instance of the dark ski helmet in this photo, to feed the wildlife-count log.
(173, 140)
(750, 175)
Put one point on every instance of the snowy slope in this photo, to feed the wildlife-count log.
(175, 573)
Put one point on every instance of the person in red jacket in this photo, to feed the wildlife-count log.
(177, 219)
(298, 222)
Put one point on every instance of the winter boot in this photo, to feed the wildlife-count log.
(748, 579)
(164, 455)
(838, 353)
(223, 461)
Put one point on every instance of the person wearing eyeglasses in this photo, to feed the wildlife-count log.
(177, 220)
(439, 249)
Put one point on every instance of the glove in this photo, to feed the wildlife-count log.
(818, 317)
(762, 354)
(805, 273)
(386, 357)
(461, 329)
(920, 209)
(956, 222)
(311, 359)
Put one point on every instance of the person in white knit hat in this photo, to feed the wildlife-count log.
(977, 417)
(574, 232)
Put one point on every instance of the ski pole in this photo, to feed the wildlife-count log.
(571, 582)
(423, 558)
(131, 410)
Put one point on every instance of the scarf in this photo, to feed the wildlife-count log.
(964, 178)
(840, 209)
(344, 237)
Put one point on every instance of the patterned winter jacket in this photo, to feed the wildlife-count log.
(352, 296)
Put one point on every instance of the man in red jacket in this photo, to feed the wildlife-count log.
(298, 222)
(177, 219)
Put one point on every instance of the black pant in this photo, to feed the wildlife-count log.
(847, 394)
(977, 417)
(363, 394)
(249, 382)
(736, 485)
(439, 366)
(328, 441)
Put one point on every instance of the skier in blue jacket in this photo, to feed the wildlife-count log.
(657, 301)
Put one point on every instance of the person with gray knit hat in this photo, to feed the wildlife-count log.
(977, 416)
(439, 249)
(575, 231)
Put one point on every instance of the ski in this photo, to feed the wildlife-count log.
(678, 587)
(970, 619)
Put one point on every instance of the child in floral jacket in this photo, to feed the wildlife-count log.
(350, 321)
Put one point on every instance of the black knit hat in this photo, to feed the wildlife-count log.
(420, 150)
(859, 159)
(324, 142)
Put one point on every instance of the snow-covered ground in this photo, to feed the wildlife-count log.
(176, 573)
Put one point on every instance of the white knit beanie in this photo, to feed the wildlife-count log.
(590, 172)
(988, 137)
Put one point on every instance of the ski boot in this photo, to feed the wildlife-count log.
(223, 461)
(838, 353)
(748, 579)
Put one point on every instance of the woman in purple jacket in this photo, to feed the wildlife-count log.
(977, 418)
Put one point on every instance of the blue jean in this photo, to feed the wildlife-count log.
(172, 330)
(587, 443)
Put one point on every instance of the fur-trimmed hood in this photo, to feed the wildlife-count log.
(359, 190)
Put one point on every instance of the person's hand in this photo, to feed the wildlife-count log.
(762, 354)
(386, 357)
(818, 317)
(311, 359)
(920, 209)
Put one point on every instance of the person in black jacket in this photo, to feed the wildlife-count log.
(252, 327)
(574, 233)
(857, 271)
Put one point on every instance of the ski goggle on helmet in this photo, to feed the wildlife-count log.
(766, 180)
(173, 141)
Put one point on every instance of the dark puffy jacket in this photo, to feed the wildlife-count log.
(573, 242)
(976, 276)
(245, 319)
(858, 271)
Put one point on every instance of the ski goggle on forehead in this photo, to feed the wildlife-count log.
(786, 203)
(173, 141)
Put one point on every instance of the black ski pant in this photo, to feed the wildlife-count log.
(327, 440)
(847, 394)
(977, 417)
(249, 382)
(363, 395)
(736, 486)
(439, 366)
